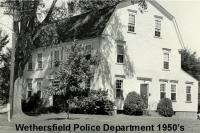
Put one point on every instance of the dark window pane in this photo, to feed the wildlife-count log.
(166, 65)
(162, 95)
(29, 93)
(173, 96)
(188, 97)
(157, 33)
(120, 58)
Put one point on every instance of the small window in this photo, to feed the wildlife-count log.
(29, 89)
(30, 64)
(39, 88)
(55, 83)
(166, 61)
(120, 54)
(157, 28)
(173, 92)
(39, 60)
(56, 58)
(131, 23)
(188, 94)
(162, 91)
(119, 88)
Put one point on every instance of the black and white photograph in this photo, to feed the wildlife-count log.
(99, 66)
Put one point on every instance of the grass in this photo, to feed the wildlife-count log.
(190, 126)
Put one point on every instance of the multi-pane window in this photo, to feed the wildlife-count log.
(119, 88)
(131, 22)
(120, 54)
(30, 64)
(166, 60)
(173, 92)
(56, 58)
(29, 89)
(88, 50)
(39, 61)
(157, 28)
(162, 91)
(39, 88)
(188, 94)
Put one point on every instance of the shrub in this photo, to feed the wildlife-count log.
(95, 103)
(134, 104)
(165, 108)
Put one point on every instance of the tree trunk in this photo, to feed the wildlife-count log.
(19, 86)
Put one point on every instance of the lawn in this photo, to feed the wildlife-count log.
(103, 123)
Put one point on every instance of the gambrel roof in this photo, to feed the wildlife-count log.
(92, 24)
(87, 25)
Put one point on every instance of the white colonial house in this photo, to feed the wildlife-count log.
(139, 50)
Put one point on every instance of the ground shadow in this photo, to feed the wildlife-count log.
(62, 119)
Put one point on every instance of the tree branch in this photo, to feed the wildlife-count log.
(47, 18)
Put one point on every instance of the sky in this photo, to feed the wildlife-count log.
(186, 12)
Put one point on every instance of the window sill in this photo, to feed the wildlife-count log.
(131, 32)
(188, 101)
(174, 101)
(165, 69)
(157, 37)
(119, 63)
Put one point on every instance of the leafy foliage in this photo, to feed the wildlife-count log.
(95, 103)
(165, 108)
(75, 71)
(5, 57)
(190, 63)
(134, 104)
(88, 5)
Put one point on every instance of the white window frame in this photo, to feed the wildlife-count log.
(119, 86)
(29, 87)
(188, 93)
(174, 91)
(39, 61)
(166, 59)
(39, 88)
(131, 21)
(158, 24)
(162, 90)
(119, 53)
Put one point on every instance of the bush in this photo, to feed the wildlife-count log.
(134, 104)
(165, 108)
(95, 103)
(32, 104)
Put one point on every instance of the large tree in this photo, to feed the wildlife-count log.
(190, 63)
(5, 56)
(27, 31)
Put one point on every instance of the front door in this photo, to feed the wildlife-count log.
(144, 93)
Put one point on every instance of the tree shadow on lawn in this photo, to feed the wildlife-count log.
(61, 119)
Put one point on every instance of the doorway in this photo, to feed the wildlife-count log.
(144, 93)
